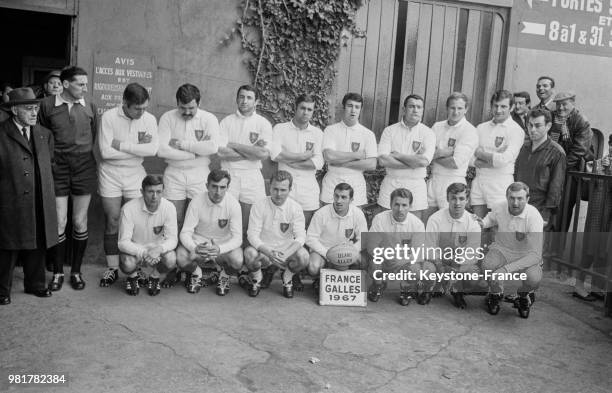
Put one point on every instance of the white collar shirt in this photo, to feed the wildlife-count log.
(516, 234)
(504, 140)
(341, 137)
(277, 227)
(403, 139)
(247, 130)
(328, 229)
(294, 140)
(462, 138)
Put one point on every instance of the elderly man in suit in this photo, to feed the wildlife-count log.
(27, 197)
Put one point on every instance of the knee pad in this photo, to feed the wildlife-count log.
(111, 246)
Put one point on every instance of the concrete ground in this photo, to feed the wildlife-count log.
(107, 341)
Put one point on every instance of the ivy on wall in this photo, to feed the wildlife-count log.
(294, 46)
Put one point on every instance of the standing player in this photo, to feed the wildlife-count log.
(147, 235)
(277, 235)
(405, 149)
(517, 247)
(127, 134)
(398, 227)
(74, 123)
(454, 228)
(333, 224)
(499, 142)
(456, 141)
(212, 231)
(243, 144)
(349, 149)
(297, 149)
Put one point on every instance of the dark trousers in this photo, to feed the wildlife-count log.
(33, 269)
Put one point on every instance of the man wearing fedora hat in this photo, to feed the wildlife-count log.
(27, 196)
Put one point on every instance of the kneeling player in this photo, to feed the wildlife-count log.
(276, 234)
(453, 229)
(397, 227)
(147, 235)
(212, 231)
(337, 223)
(517, 247)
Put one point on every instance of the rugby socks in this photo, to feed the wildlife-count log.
(59, 255)
(287, 277)
(197, 272)
(79, 243)
(223, 273)
(257, 276)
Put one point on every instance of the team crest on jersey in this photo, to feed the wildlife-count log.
(199, 134)
(158, 230)
(309, 146)
(355, 146)
(348, 233)
(520, 236)
(222, 223)
(253, 137)
(416, 145)
(407, 242)
(498, 141)
(461, 239)
(451, 142)
(284, 226)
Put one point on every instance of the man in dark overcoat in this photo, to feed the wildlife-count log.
(28, 220)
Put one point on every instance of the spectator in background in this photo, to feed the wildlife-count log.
(545, 90)
(5, 113)
(521, 108)
(52, 84)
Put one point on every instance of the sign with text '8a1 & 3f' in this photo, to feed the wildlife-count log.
(342, 288)
(573, 26)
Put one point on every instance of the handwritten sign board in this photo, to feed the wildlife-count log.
(113, 72)
(574, 26)
(342, 288)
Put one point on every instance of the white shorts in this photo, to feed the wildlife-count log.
(120, 181)
(488, 190)
(184, 183)
(305, 191)
(247, 185)
(436, 189)
(330, 181)
(416, 186)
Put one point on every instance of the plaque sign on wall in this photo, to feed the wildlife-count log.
(114, 71)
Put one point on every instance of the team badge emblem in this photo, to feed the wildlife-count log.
(498, 141)
(462, 239)
(222, 223)
(355, 146)
(309, 146)
(284, 226)
(253, 137)
(407, 242)
(199, 134)
(520, 236)
(158, 230)
(451, 142)
(416, 145)
(348, 233)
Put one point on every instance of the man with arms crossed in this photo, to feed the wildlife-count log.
(349, 149)
(405, 149)
(456, 141)
(499, 142)
(244, 142)
(212, 231)
(340, 222)
(74, 123)
(277, 235)
(148, 236)
(128, 134)
(454, 228)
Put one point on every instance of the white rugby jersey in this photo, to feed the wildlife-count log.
(463, 138)
(402, 139)
(199, 137)
(328, 229)
(251, 130)
(287, 136)
(341, 137)
(446, 231)
(276, 226)
(520, 234)
(116, 125)
(504, 140)
(384, 222)
(221, 222)
(139, 227)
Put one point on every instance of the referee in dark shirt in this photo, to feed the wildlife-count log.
(73, 122)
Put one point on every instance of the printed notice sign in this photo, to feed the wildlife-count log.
(114, 71)
(575, 26)
(342, 288)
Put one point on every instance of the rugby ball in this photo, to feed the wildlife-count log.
(342, 255)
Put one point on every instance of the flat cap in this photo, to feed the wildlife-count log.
(564, 96)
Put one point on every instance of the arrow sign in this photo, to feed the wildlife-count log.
(534, 28)
(530, 2)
